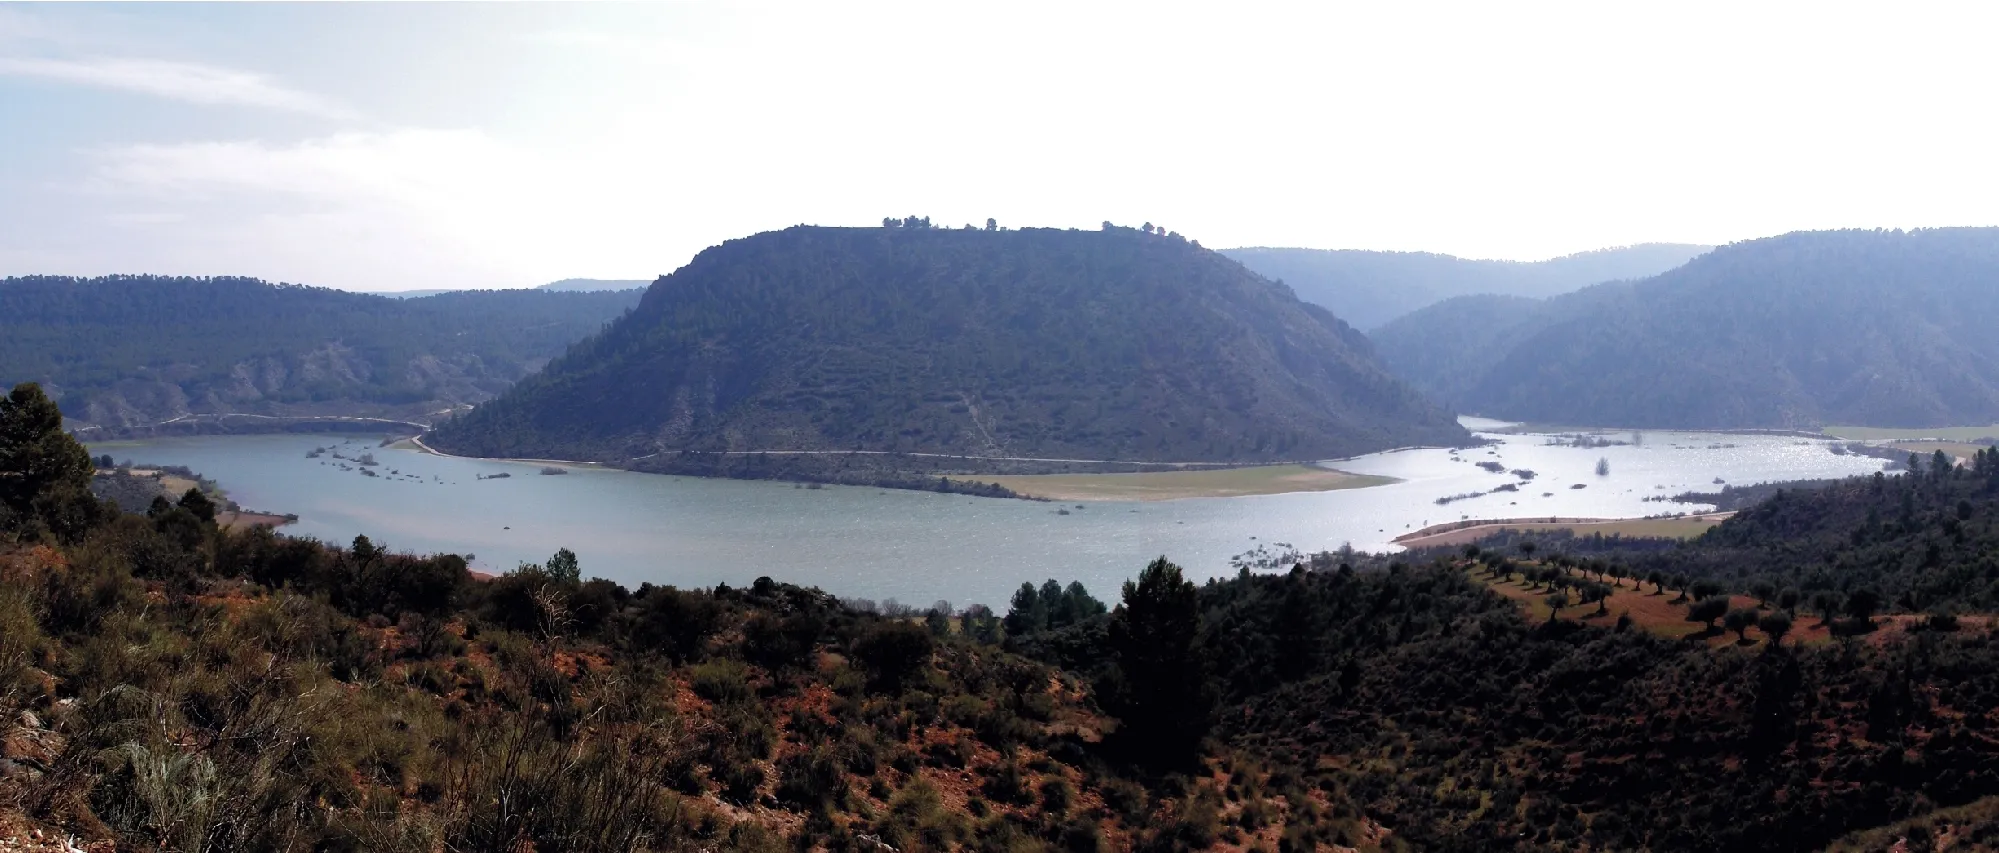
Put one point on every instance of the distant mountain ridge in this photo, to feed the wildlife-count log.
(1369, 288)
(567, 285)
(1094, 345)
(1873, 328)
(595, 284)
(130, 352)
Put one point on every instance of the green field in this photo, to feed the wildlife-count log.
(1968, 433)
(1170, 485)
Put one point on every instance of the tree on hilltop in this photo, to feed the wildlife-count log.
(1775, 625)
(1706, 610)
(1740, 620)
(44, 473)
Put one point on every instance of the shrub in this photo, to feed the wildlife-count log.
(893, 652)
(1008, 784)
(740, 780)
(1056, 796)
(721, 681)
(1127, 798)
(781, 642)
(675, 622)
(811, 780)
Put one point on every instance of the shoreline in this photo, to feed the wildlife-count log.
(1558, 430)
(244, 519)
(1179, 480)
(1155, 486)
(425, 448)
(1471, 530)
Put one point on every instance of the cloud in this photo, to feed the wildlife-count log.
(413, 167)
(182, 81)
(375, 210)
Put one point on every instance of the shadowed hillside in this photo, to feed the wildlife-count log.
(132, 351)
(1874, 328)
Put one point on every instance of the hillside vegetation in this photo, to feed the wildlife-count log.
(1369, 289)
(1867, 328)
(1108, 345)
(130, 351)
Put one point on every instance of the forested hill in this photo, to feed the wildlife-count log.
(1927, 542)
(1878, 328)
(1113, 344)
(1444, 350)
(595, 284)
(1369, 289)
(125, 351)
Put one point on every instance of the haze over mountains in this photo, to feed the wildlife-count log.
(1368, 288)
(132, 351)
(1091, 345)
(576, 285)
(1877, 328)
(595, 284)
(1116, 345)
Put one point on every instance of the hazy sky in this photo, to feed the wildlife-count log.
(403, 146)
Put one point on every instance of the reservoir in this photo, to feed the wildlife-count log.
(920, 547)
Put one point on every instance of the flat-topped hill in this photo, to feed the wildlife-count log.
(1037, 343)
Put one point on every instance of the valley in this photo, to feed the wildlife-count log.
(516, 428)
(1370, 289)
(920, 546)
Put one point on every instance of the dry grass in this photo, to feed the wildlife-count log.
(1658, 613)
(1174, 485)
(1946, 827)
(1961, 451)
(1666, 528)
(1966, 433)
(1649, 610)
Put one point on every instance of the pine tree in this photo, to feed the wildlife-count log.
(44, 473)
(1164, 700)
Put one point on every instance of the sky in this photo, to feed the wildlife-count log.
(413, 146)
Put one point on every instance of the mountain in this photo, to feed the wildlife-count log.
(594, 284)
(1875, 328)
(1444, 365)
(124, 352)
(413, 294)
(1448, 349)
(1035, 343)
(1369, 289)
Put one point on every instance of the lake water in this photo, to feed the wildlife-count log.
(921, 547)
